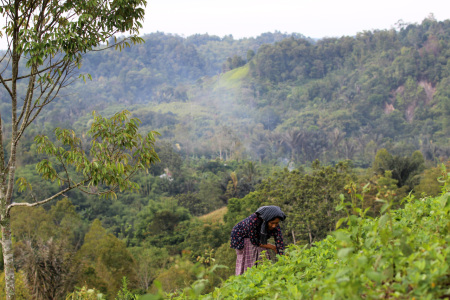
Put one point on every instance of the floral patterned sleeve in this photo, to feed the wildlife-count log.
(278, 236)
(254, 227)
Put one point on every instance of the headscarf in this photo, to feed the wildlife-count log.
(268, 213)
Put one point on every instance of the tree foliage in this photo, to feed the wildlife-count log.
(403, 169)
(104, 260)
(307, 199)
(46, 40)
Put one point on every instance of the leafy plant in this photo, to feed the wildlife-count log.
(124, 293)
(85, 293)
(403, 254)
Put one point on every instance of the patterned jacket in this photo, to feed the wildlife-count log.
(250, 228)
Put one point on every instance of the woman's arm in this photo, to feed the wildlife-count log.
(270, 246)
(278, 236)
(253, 226)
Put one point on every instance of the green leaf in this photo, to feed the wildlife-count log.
(345, 252)
(443, 200)
(421, 264)
(23, 184)
(342, 236)
(383, 220)
(384, 208)
(339, 207)
(405, 248)
(375, 276)
(339, 223)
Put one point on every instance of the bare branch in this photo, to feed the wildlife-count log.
(5, 56)
(29, 96)
(38, 72)
(6, 86)
(8, 209)
(48, 99)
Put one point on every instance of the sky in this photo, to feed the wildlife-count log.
(312, 18)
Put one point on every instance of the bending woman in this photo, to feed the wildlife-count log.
(249, 237)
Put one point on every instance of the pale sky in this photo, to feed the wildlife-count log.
(312, 18)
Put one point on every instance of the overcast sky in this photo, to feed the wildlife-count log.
(312, 18)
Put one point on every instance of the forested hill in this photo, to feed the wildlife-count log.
(352, 95)
(278, 97)
(242, 125)
(162, 68)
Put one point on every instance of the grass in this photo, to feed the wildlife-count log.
(233, 79)
(215, 216)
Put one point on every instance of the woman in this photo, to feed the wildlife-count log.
(249, 237)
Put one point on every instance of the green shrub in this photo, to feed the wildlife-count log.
(403, 254)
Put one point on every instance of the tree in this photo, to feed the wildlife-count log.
(192, 202)
(117, 153)
(150, 262)
(47, 268)
(430, 185)
(104, 260)
(46, 40)
(44, 246)
(310, 199)
(404, 169)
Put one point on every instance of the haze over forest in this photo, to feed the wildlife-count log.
(346, 97)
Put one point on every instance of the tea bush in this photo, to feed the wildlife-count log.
(403, 254)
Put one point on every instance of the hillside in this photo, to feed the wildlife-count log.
(273, 120)
(288, 102)
(214, 216)
(291, 100)
(342, 98)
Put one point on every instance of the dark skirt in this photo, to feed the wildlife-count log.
(248, 256)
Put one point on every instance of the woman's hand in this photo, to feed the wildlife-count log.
(270, 246)
(274, 248)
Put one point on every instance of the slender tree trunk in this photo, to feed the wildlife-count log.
(8, 255)
(8, 184)
(6, 188)
(293, 236)
(8, 258)
(5, 198)
(309, 233)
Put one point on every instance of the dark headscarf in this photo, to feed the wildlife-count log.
(268, 213)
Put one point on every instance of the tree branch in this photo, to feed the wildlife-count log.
(29, 96)
(38, 72)
(65, 169)
(56, 85)
(6, 86)
(8, 209)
